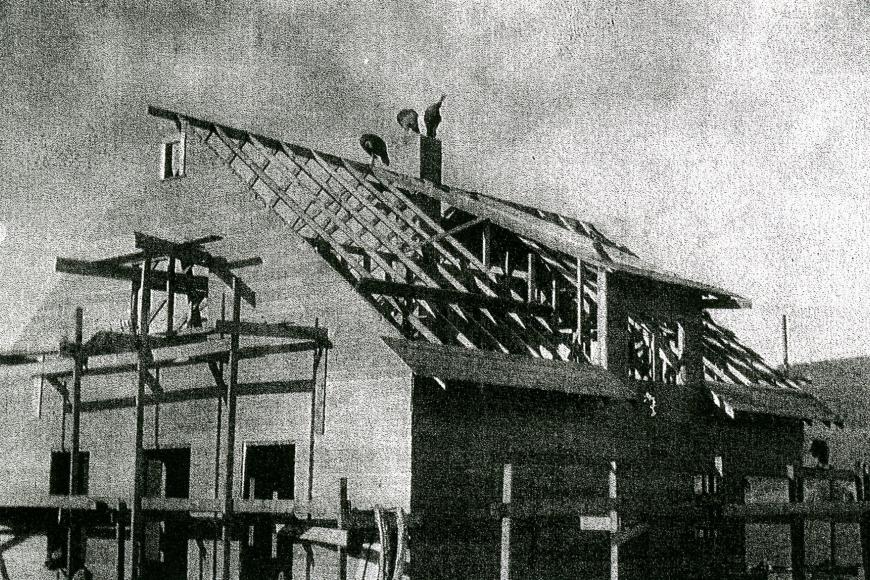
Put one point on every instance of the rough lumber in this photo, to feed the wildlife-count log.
(229, 457)
(137, 524)
(325, 536)
(771, 512)
(506, 498)
(447, 296)
(199, 393)
(157, 247)
(139, 256)
(278, 330)
(157, 280)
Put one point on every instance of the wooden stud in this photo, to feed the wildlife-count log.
(170, 297)
(506, 494)
(531, 279)
(614, 523)
(342, 524)
(313, 420)
(73, 553)
(231, 430)
(120, 540)
(401, 544)
(384, 540)
(137, 525)
(865, 539)
(134, 307)
(486, 247)
(603, 326)
(579, 330)
(798, 539)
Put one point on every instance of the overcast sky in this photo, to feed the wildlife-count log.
(727, 143)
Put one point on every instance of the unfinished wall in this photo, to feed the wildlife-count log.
(367, 437)
(463, 435)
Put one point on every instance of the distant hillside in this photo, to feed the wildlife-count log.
(844, 384)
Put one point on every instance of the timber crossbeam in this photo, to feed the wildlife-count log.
(184, 283)
(448, 296)
(276, 330)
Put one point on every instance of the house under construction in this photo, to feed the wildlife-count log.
(302, 366)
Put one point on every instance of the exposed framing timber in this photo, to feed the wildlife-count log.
(137, 526)
(447, 296)
(158, 247)
(229, 457)
(157, 281)
(277, 330)
(200, 393)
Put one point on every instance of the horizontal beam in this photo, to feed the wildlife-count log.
(166, 357)
(220, 267)
(446, 296)
(71, 502)
(139, 256)
(574, 507)
(184, 283)
(267, 506)
(838, 510)
(278, 330)
(179, 504)
(199, 393)
(325, 536)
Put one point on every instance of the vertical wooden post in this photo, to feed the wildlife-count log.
(486, 246)
(318, 353)
(603, 306)
(581, 299)
(120, 540)
(833, 524)
(73, 556)
(785, 344)
(692, 329)
(231, 429)
(531, 279)
(614, 523)
(798, 539)
(342, 524)
(506, 493)
(137, 523)
(170, 297)
(134, 307)
(554, 302)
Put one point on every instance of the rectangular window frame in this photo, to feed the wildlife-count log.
(247, 445)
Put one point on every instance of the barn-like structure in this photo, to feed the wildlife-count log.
(281, 363)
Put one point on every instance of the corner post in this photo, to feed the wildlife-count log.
(506, 493)
(137, 523)
(798, 556)
(614, 523)
(73, 555)
(231, 429)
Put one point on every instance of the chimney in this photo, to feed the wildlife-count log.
(418, 156)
